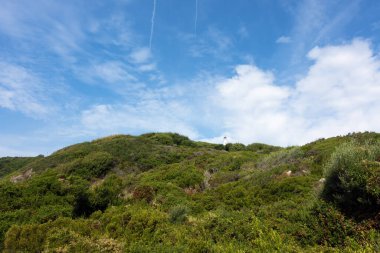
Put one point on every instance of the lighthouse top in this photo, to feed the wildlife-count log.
(225, 141)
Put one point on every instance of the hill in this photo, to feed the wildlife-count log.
(162, 192)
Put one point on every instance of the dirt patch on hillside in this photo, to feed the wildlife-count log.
(22, 177)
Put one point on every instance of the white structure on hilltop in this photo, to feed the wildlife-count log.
(225, 141)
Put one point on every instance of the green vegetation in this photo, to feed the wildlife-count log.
(162, 192)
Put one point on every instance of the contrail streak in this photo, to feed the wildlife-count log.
(152, 27)
(196, 17)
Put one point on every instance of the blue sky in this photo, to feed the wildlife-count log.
(282, 72)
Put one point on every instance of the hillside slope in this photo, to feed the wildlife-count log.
(162, 192)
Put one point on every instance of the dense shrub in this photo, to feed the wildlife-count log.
(178, 214)
(235, 147)
(95, 164)
(262, 148)
(26, 238)
(98, 163)
(219, 147)
(226, 226)
(106, 193)
(170, 139)
(82, 205)
(143, 192)
(181, 140)
(329, 226)
(182, 175)
(353, 178)
(66, 240)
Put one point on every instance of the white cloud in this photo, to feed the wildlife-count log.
(253, 106)
(147, 116)
(179, 108)
(112, 72)
(338, 95)
(141, 58)
(140, 55)
(341, 89)
(147, 67)
(251, 89)
(284, 40)
(21, 90)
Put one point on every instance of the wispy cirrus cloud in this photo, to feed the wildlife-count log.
(335, 22)
(317, 22)
(22, 90)
(213, 42)
(111, 72)
(51, 26)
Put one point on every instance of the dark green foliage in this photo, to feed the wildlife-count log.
(170, 139)
(106, 193)
(329, 226)
(82, 206)
(27, 238)
(141, 152)
(229, 226)
(95, 164)
(353, 178)
(262, 148)
(235, 147)
(143, 192)
(178, 214)
(219, 147)
(183, 175)
(10, 164)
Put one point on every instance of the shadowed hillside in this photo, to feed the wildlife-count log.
(162, 192)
